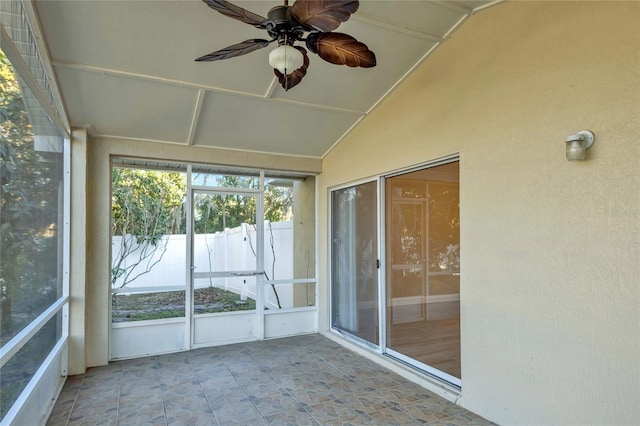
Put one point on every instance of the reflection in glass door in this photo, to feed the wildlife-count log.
(423, 269)
(354, 272)
(226, 270)
(407, 258)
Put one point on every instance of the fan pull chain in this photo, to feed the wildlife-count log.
(286, 71)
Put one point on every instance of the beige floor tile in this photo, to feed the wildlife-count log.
(302, 380)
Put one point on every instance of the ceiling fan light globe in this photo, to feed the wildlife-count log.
(286, 59)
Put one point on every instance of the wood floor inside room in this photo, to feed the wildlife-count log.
(428, 333)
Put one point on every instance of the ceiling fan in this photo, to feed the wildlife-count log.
(310, 21)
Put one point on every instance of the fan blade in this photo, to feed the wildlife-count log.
(292, 79)
(323, 15)
(341, 49)
(239, 49)
(236, 12)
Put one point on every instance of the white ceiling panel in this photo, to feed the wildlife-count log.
(258, 125)
(427, 17)
(127, 69)
(128, 107)
(155, 38)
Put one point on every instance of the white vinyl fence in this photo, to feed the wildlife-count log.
(232, 250)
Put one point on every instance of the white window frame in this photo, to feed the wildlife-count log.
(369, 345)
(29, 403)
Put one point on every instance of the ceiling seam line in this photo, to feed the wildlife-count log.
(344, 135)
(99, 70)
(401, 79)
(392, 27)
(455, 26)
(453, 7)
(397, 83)
(488, 5)
(196, 116)
(133, 138)
(384, 96)
(272, 89)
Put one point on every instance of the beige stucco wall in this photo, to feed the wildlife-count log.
(89, 317)
(304, 240)
(550, 285)
(78, 237)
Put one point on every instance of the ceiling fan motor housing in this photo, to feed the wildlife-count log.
(283, 27)
(279, 15)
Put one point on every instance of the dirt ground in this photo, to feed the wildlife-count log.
(170, 304)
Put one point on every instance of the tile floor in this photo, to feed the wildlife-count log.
(302, 380)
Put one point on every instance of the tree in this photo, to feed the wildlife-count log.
(278, 203)
(146, 206)
(218, 212)
(30, 194)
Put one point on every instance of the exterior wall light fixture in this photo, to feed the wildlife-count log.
(578, 144)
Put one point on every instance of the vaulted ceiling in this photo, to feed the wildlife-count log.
(126, 69)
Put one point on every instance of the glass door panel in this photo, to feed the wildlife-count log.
(225, 252)
(423, 269)
(354, 271)
(407, 248)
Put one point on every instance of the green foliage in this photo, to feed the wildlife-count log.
(30, 195)
(217, 212)
(29, 192)
(214, 213)
(147, 203)
(278, 203)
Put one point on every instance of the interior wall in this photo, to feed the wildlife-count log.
(550, 294)
(90, 293)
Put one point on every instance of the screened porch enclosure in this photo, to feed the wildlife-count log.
(34, 227)
(376, 269)
(203, 255)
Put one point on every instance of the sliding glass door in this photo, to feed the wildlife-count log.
(354, 259)
(423, 269)
(421, 259)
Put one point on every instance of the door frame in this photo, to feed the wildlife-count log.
(257, 333)
(382, 348)
(130, 339)
(371, 345)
